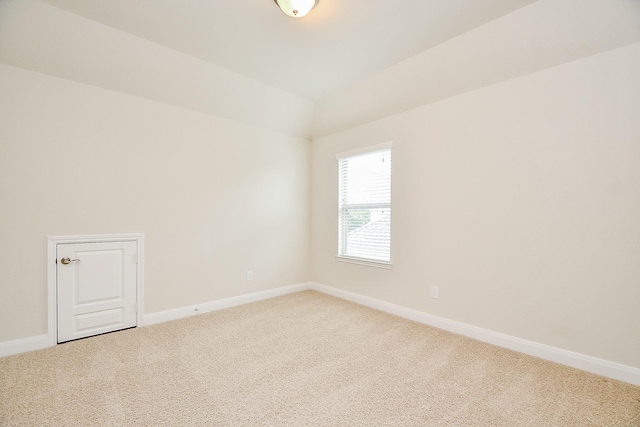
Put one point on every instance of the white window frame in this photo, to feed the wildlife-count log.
(357, 260)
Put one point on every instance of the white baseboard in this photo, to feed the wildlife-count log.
(23, 345)
(7, 348)
(591, 364)
(179, 313)
(565, 357)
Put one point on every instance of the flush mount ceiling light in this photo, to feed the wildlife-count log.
(296, 8)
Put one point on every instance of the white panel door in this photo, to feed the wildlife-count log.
(96, 287)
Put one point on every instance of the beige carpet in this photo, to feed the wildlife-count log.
(304, 359)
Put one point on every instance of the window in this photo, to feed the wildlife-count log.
(364, 206)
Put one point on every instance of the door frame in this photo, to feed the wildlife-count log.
(52, 244)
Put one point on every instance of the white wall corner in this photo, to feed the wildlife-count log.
(591, 364)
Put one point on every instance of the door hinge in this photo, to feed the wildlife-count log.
(135, 258)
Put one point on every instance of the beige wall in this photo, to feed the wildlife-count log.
(214, 197)
(521, 201)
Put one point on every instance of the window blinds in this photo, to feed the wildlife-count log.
(365, 205)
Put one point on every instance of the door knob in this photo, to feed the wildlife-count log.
(66, 260)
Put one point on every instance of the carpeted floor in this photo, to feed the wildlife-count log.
(305, 359)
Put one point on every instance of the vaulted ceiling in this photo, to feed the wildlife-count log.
(347, 63)
(337, 44)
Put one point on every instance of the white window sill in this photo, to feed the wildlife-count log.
(364, 261)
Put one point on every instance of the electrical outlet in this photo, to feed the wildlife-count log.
(249, 275)
(434, 292)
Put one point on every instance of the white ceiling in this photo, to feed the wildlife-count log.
(337, 44)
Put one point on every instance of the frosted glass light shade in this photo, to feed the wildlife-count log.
(296, 8)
